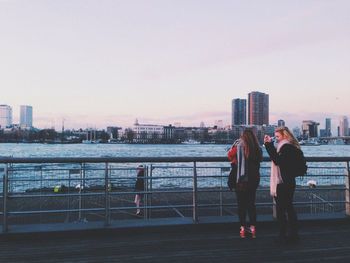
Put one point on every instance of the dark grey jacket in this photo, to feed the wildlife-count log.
(285, 159)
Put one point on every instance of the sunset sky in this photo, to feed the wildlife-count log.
(107, 62)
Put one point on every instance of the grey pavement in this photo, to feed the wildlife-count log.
(326, 240)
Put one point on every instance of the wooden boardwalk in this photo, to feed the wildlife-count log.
(320, 241)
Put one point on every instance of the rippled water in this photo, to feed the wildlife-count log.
(171, 177)
(140, 150)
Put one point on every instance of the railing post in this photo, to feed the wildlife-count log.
(221, 197)
(82, 171)
(68, 205)
(148, 187)
(41, 191)
(195, 201)
(145, 195)
(5, 192)
(107, 201)
(347, 190)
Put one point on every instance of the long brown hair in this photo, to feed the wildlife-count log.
(251, 145)
(286, 133)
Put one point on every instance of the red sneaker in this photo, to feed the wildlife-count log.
(252, 231)
(242, 232)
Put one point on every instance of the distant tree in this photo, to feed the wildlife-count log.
(221, 137)
(130, 135)
(104, 136)
(47, 135)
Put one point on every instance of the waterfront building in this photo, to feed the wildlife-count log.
(344, 126)
(328, 127)
(26, 117)
(259, 130)
(237, 131)
(169, 132)
(296, 132)
(239, 112)
(191, 134)
(5, 116)
(323, 133)
(258, 108)
(146, 132)
(310, 129)
(219, 124)
(281, 123)
(113, 132)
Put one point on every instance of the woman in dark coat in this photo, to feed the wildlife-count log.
(139, 187)
(245, 156)
(282, 181)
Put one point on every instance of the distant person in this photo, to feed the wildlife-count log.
(282, 182)
(245, 156)
(139, 187)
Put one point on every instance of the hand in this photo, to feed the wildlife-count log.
(267, 138)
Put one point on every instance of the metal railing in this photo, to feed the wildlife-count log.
(64, 190)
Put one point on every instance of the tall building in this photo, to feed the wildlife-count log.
(5, 116)
(258, 108)
(26, 116)
(310, 129)
(344, 126)
(328, 127)
(169, 132)
(281, 123)
(239, 112)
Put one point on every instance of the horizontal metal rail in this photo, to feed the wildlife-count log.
(191, 159)
(153, 192)
(92, 209)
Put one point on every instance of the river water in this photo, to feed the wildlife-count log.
(144, 150)
(175, 175)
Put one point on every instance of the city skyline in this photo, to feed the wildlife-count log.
(106, 63)
(307, 126)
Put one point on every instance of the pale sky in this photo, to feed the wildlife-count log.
(97, 63)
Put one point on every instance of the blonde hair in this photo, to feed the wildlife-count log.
(288, 135)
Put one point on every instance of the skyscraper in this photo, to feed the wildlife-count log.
(26, 116)
(5, 116)
(344, 126)
(258, 108)
(239, 112)
(328, 127)
(310, 129)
